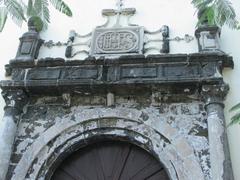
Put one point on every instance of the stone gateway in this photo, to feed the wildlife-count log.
(173, 119)
(122, 115)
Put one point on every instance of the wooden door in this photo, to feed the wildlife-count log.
(110, 161)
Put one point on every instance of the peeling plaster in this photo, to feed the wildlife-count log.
(151, 130)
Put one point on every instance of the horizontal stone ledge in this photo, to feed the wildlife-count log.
(125, 73)
(226, 60)
(186, 87)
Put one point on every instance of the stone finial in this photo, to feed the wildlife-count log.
(30, 43)
(35, 24)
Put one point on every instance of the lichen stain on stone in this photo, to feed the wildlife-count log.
(163, 108)
(144, 116)
(107, 122)
(174, 109)
(72, 117)
(198, 130)
(147, 121)
(205, 163)
(31, 170)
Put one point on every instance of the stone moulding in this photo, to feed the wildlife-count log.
(127, 71)
(68, 136)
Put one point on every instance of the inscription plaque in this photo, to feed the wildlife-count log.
(107, 41)
(26, 47)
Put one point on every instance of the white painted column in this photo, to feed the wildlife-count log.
(220, 162)
(15, 100)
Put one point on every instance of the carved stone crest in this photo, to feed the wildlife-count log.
(117, 40)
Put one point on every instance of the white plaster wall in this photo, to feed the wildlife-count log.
(178, 15)
(230, 44)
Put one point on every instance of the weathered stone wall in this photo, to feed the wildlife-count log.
(52, 127)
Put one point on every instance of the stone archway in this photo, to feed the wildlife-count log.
(64, 138)
(109, 160)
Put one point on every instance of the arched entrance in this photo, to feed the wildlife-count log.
(110, 160)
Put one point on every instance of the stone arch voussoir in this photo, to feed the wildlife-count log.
(66, 137)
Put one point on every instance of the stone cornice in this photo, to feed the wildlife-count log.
(159, 58)
(129, 73)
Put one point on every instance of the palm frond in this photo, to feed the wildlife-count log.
(201, 4)
(207, 16)
(24, 6)
(217, 12)
(15, 10)
(42, 11)
(235, 119)
(235, 107)
(3, 17)
(62, 7)
(30, 9)
(225, 14)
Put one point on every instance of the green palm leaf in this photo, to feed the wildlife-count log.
(3, 17)
(201, 4)
(15, 10)
(40, 8)
(207, 15)
(225, 13)
(30, 9)
(236, 107)
(217, 12)
(42, 11)
(62, 7)
(235, 119)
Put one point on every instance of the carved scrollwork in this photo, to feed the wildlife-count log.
(119, 38)
(50, 44)
(187, 38)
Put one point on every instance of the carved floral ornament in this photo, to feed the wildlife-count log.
(119, 39)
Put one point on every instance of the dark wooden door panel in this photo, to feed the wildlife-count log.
(110, 161)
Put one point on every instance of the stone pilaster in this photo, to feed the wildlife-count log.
(15, 101)
(220, 162)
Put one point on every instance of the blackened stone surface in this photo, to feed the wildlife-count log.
(43, 74)
(129, 72)
(50, 62)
